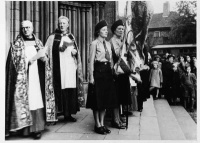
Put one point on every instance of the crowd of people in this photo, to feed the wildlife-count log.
(179, 79)
(44, 82)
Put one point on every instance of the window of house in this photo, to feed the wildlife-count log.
(165, 40)
(185, 50)
(160, 51)
(154, 52)
(156, 34)
(191, 50)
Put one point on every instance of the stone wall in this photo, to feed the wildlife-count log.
(110, 15)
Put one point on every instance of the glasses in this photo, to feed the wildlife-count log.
(26, 27)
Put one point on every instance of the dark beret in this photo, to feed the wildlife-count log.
(116, 24)
(100, 25)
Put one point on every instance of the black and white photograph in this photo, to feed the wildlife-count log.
(100, 70)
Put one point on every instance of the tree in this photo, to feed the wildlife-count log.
(184, 26)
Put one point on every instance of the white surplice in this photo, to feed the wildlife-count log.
(68, 65)
(34, 89)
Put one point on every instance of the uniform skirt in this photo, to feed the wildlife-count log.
(102, 95)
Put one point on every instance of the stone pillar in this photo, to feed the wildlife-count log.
(65, 11)
(88, 29)
(91, 26)
(36, 19)
(47, 19)
(83, 31)
(22, 10)
(96, 12)
(101, 11)
(73, 22)
(8, 34)
(51, 17)
(28, 10)
(79, 29)
(93, 19)
(16, 18)
(42, 24)
(55, 14)
(61, 10)
(69, 15)
(31, 9)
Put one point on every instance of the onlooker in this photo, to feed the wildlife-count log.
(193, 65)
(168, 77)
(189, 84)
(155, 78)
(188, 60)
(175, 85)
(157, 58)
(181, 65)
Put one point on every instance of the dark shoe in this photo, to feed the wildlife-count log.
(37, 135)
(155, 98)
(106, 129)
(70, 119)
(118, 125)
(139, 110)
(122, 124)
(99, 130)
(123, 118)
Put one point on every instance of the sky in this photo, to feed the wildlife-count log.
(157, 5)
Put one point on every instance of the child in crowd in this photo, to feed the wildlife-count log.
(155, 78)
(157, 58)
(189, 85)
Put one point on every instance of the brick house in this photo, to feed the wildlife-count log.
(158, 35)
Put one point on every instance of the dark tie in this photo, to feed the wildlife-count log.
(107, 56)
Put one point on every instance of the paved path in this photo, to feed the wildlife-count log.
(155, 123)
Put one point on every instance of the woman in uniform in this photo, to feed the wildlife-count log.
(100, 76)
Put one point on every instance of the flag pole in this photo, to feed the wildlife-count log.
(125, 37)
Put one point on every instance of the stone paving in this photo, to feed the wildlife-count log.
(153, 123)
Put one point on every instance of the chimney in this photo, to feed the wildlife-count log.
(166, 9)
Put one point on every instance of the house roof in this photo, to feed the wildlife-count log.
(158, 21)
(174, 46)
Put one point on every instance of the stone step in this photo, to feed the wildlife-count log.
(168, 124)
(187, 124)
(149, 129)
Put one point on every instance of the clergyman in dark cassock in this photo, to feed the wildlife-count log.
(64, 71)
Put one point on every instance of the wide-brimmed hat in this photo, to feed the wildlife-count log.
(100, 25)
(116, 24)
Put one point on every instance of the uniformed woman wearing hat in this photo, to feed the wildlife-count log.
(100, 75)
(122, 81)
